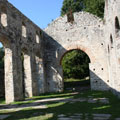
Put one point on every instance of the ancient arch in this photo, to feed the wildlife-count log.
(86, 34)
(68, 50)
(75, 47)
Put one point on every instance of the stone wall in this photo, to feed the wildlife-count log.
(112, 41)
(20, 35)
(85, 33)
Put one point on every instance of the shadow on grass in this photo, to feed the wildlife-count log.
(77, 85)
(68, 108)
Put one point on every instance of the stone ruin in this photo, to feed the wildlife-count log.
(40, 52)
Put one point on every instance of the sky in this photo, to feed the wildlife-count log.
(41, 12)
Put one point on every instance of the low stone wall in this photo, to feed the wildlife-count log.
(2, 85)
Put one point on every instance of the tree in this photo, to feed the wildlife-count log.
(74, 5)
(75, 64)
(95, 7)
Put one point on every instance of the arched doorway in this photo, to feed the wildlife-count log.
(75, 64)
(5, 65)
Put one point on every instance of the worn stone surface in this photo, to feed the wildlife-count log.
(117, 119)
(101, 116)
(2, 117)
(40, 71)
(86, 34)
(85, 117)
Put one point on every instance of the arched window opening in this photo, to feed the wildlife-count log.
(3, 16)
(24, 30)
(111, 41)
(75, 64)
(2, 82)
(117, 27)
(37, 38)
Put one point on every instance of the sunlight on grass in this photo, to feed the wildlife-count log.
(56, 104)
(35, 98)
(52, 95)
(102, 107)
(97, 94)
(74, 80)
(55, 108)
(41, 117)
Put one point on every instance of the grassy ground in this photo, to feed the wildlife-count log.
(56, 108)
(75, 83)
(2, 101)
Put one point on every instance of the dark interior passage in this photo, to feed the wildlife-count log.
(2, 84)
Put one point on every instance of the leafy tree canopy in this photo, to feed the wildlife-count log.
(95, 7)
(75, 64)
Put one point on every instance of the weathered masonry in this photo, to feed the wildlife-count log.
(33, 56)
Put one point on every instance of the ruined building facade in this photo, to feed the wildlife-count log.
(33, 56)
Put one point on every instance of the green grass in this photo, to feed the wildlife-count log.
(74, 80)
(2, 101)
(68, 83)
(56, 108)
(76, 83)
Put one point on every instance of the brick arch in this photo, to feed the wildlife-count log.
(65, 49)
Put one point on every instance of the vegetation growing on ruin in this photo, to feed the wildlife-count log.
(75, 65)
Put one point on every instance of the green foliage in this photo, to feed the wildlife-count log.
(2, 58)
(95, 7)
(75, 5)
(75, 65)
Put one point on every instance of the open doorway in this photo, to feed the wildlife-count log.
(2, 83)
(75, 65)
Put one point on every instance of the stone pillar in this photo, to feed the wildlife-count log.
(40, 74)
(13, 79)
(34, 77)
(28, 75)
(60, 78)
